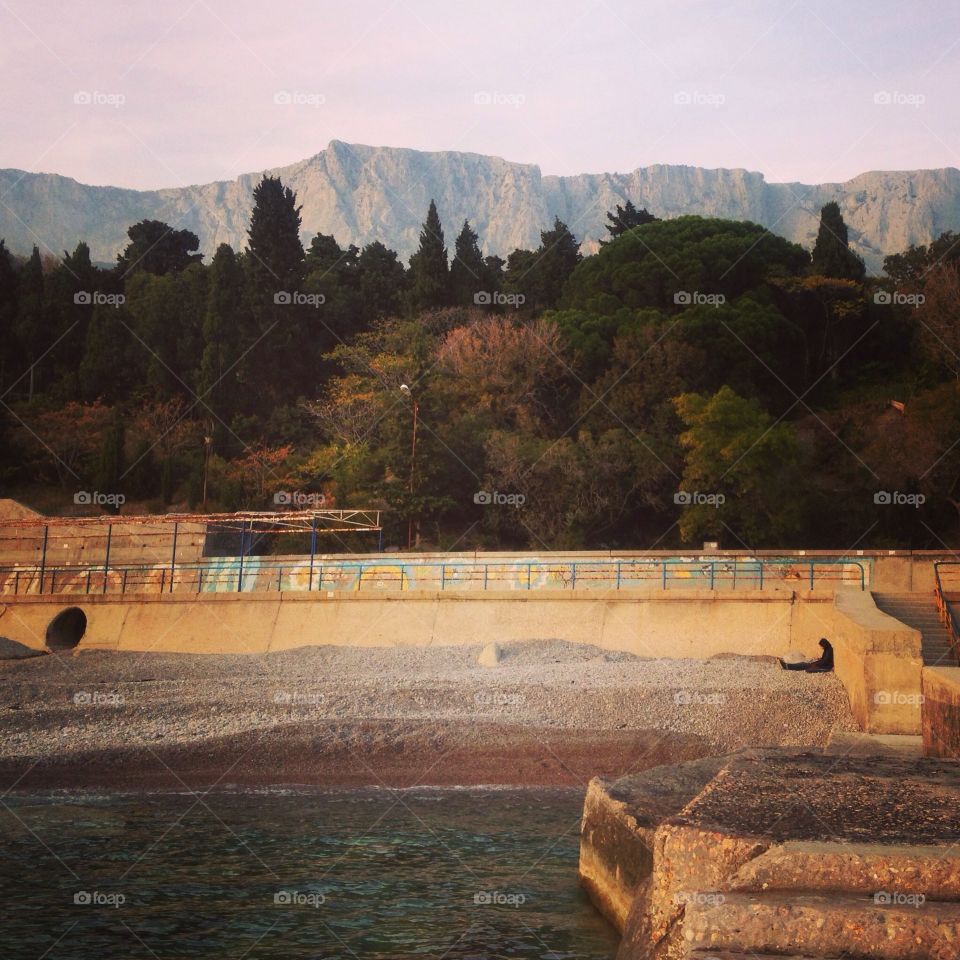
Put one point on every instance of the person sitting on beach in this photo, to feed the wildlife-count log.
(822, 665)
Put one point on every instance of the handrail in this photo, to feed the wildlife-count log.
(245, 573)
(947, 617)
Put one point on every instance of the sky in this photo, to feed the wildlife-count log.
(149, 95)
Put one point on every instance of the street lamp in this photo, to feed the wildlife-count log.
(405, 389)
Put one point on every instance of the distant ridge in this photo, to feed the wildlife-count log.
(360, 194)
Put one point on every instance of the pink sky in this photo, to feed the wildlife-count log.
(190, 91)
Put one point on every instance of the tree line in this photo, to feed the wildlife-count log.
(694, 378)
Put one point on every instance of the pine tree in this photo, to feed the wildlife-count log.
(626, 218)
(832, 256)
(222, 329)
(276, 253)
(31, 328)
(428, 266)
(468, 271)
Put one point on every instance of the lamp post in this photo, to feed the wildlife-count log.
(207, 447)
(405, 389)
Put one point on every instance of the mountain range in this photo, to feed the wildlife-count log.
(360, 194)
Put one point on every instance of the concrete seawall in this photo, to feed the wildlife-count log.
(877, 657)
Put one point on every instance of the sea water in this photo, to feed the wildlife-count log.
(297, 873)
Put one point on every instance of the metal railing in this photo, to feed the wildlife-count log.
(947, 616)
(260, 574)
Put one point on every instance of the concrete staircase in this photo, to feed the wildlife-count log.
(821, 924)
(919, 610)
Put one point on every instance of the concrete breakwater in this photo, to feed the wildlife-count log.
(778, 853)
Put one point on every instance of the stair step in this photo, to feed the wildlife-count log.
(905, 928)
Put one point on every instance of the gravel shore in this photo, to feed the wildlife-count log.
(548, 712)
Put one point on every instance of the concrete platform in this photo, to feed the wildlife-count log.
(783, 853)
(846, 744)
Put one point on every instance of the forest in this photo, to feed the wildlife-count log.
(693, 379)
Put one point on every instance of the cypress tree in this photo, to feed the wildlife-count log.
(832, 256)
(468, 271)
(431, 277)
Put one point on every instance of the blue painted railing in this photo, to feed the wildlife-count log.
(261, 574)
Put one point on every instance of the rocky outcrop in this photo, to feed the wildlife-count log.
(779, 854)
(361, 193)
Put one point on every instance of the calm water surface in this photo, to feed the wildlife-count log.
(297, 873)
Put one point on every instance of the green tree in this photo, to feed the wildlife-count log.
(382, 281)
(467, 271)
(740, 478)
(33, 333)
(430, 276)
(626, 218)
(8, 315)
(832, 256)
(156, 247)
(223, 326)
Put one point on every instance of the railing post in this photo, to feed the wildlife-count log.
(163, 579)
(313, 550)
(123, 582)
(735, 562)
(16, 581)
(760, 562)
(173, 553)
(713, 574)
(53, 580)
(401, 577)
(529, 574)
(443, 576)
(573, 575)
(664, 564)
(200, 580)
(89, 572)
(618, 574)
(320, 578)
(486, 574)
(242, 549)
(43, 556)
(280, 580)
(106, 558)
(359, 576)
(811, 574)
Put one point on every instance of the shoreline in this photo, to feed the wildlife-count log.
(549, 713)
